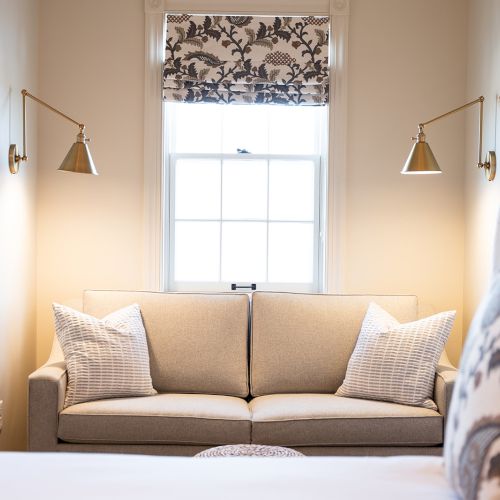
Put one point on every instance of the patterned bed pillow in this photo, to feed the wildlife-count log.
(472, 439)
(396, 362)
(105, 358)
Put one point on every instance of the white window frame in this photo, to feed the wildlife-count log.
(224, 286)
(155, 206)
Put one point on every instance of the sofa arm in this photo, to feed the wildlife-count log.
(46, 393)
(446, 375)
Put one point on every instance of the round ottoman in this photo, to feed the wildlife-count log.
(248, 450)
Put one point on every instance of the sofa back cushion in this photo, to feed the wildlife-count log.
(197, 342)
(301, 343)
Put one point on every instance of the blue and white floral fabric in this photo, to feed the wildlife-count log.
(246, 59)
(472, 440)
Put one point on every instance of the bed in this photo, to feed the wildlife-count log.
(99, 476)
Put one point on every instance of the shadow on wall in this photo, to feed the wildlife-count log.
(18, 67)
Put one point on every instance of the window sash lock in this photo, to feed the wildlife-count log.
(235, 286)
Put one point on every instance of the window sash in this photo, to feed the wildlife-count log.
(173, 285)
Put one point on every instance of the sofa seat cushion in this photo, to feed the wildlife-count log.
(198, 419)
(327, 420)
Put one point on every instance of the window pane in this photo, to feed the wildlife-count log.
(291, 247)
(197, 251)
(195, 128)
(236, 217)
(197, 189)
(294, 130)
(244, 189)
(245, 127)
(244, 251)
(291, 190)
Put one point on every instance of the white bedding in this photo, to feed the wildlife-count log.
(44, 476)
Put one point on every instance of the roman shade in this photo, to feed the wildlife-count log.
(246, 59)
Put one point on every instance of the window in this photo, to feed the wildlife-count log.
(245, 106)
(244, 195)
(157, 160)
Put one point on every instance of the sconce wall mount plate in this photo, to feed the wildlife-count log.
(490, 165)
(14, 159)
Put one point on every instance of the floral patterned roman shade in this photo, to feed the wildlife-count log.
(246, 60)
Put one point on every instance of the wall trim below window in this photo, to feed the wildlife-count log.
(154, 206)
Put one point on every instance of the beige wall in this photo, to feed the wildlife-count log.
(404, 235)
(18, 69)
(482, 198)
(90, 228)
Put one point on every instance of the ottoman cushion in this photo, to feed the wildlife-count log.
(248, 450)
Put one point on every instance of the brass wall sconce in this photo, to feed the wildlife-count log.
(78, 158)
(422, 161)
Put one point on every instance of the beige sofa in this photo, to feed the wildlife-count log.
(219, 385)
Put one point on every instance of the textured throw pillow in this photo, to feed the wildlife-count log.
(396, 362)
(105, 358)
(472, 438)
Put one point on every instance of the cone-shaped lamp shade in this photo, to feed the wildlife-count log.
(79, 159)
(421, 160)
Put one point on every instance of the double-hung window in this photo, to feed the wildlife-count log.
(244, 162)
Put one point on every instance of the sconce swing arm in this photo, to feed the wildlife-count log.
(15, 158)
(489, 165)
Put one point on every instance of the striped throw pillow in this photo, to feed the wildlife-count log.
(396, 362)
(105, 358)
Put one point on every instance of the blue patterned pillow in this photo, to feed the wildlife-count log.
(472, 441)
